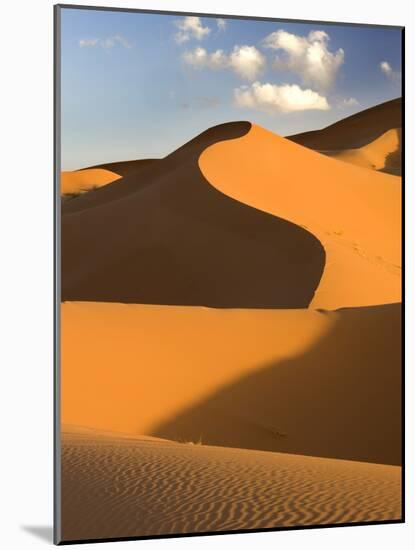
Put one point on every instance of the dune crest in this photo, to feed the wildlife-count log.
(355, 213)
(166, 236)
(80, 181)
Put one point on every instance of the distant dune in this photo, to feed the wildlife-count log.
(126, 167)
(356, 130)
(382, 154)
(370, 138)
(81, 181)
(297, 381)
(118, 487)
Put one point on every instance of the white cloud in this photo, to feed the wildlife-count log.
(246, 61)
(190, 27)
(389, 72)
(199, 58)
(105, 43)
(308, 56)
(386, 68)
(221, 24)
(273, 98)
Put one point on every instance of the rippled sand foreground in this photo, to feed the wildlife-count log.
(116, 486)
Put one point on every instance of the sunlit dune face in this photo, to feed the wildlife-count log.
(276, 380)
(80, 181)
(354, 212)
(120, 362)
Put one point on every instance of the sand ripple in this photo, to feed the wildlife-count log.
(117, 487)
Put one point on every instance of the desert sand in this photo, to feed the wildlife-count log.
(217, 252)
(81, 181)
(118, 487)
(356, 130)
(384, 153)
(355, 213)
(231, 334)
(297, 381)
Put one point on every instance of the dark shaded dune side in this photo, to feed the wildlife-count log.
(356, 130)
(177, 240)
(393, 163)
(133, 179)
(340, 399)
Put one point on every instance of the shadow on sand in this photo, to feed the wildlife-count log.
(340, 399)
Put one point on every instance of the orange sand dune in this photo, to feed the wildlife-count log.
(382, 154)
(126, 167)
(356, 130)
(295, 381)
(115, 487)
(166, 236)
(80, 181)
(355, 213)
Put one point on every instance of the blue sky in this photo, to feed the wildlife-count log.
(140, 85)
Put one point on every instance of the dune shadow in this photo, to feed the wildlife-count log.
(340, 399)
(393, 162)
(43, 532)
(166, 236)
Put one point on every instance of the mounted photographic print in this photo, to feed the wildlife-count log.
(228, 274)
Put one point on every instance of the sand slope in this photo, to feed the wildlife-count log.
(297, 381)
(355, 213)
(80, 181)
(168, 237)
(356, 130)
(115, 487)
(382, 154)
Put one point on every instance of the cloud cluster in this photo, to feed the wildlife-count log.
(389, 72)
(190, 27)
(246, 61)
(307, 56)
(273, 98)
(105, 43)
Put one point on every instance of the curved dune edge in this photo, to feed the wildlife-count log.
(113, 487)
(374, 155)
(169, 237)
(241, 378)
(80, 181)
(355, 213)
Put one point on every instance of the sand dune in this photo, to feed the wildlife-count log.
(168, 237)
(356, 130)
(296, 381)
(279, 217)
(81, 181)
(113, 487)
(169, 407)
(355, 213)
(126, 167)
(382, 154)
